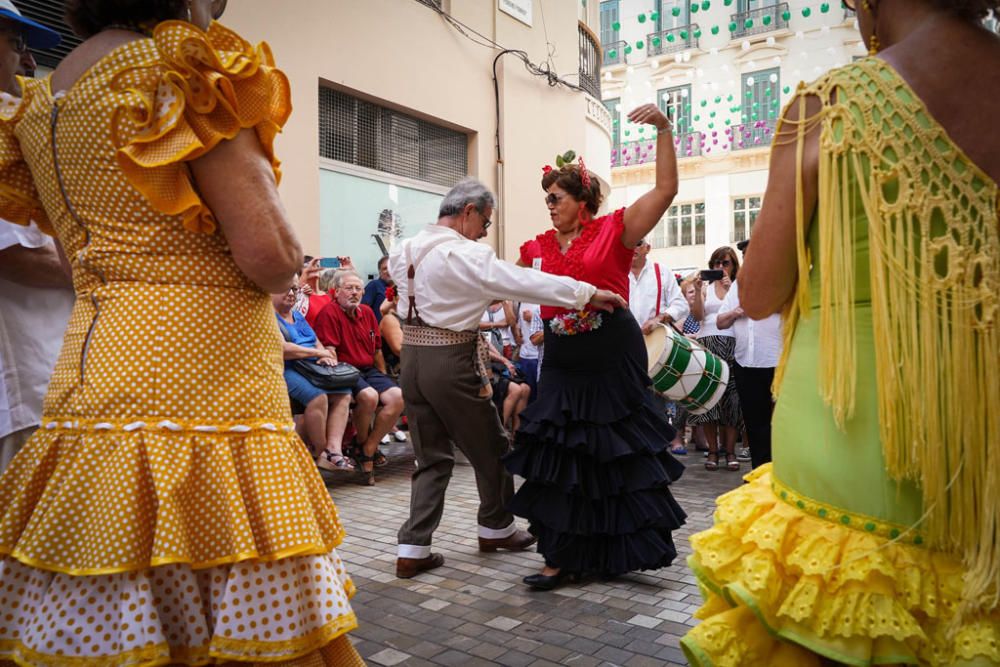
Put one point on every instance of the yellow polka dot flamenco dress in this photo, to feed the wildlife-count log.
(165, 512)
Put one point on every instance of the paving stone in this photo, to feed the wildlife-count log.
(388, 657)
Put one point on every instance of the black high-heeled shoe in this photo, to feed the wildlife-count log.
(544, 582)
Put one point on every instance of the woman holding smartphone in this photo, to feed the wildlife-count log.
(724, 418)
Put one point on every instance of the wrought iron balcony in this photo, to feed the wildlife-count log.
(643, 151)
(757, 134)
(590, 61)
(614, 53)
(761, 20)
(672, 40)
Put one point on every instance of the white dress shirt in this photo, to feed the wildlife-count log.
(456, 280)
(32, 322)
(642, 295)
(758, 342)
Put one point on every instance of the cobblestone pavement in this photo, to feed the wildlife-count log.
(475, 611)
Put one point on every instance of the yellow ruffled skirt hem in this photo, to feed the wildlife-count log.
(786, 587)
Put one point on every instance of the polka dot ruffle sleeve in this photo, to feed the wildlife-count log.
(19, 202)
(211, 85)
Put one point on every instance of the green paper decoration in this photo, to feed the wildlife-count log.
(753, 116)
(786, 16)
(706, 5)
(639, 44)
(718, 99)
(767, 93)
(728, 122)
(704, 103)
(697, 34)
(697, 118)
(676, 11)
(711, 115)
(616, 26)
(653, 16)
(642, 18)
(756, 105)
(641, 129)
(732, 26)
(749, 93)
(806, 12)
(684, 34)
(687, 107)
(766, 20)
(628, 49)
(670, 37)
(715, 30)
(787, 89)
(825, 7)
(655, 41)
(628, 132)
(729, 98)
(711, 126)
(612, 54)
(694, 8)
(727, 2)
(748, 24)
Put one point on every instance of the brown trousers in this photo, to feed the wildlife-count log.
(444, 411)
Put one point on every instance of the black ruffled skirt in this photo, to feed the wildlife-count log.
(593, 449)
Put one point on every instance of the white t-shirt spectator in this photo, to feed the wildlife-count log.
(528, 349)
(758, 342)
(643, 290)
(32, 322)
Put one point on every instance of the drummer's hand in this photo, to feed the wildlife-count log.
(607, 301)
(649, 325)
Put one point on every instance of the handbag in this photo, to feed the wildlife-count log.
(328, 378)
(340, 376)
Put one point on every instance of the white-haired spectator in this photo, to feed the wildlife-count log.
(350, 331)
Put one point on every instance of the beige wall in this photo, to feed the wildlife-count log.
(400, 53)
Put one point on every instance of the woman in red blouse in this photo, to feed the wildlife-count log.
(593, 448)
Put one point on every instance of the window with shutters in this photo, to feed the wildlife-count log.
(369, 135)
(50, 13)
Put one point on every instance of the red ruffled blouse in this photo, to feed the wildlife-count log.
(596, 256)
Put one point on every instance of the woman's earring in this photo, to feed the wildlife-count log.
(189, 17)
(873, 44)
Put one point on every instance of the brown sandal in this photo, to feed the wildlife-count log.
(712, 462)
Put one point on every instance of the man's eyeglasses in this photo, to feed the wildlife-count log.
(552, 199)
(486, 221)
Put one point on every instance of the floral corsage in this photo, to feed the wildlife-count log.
(576, 322)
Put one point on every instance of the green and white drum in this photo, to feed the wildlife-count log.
(684, 371)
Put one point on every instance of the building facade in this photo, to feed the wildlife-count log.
(394, 101)
(723, 69)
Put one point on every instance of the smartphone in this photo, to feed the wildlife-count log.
(333, 263)
(708, 275)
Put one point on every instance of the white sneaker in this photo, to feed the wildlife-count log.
(385, 439)
(743, 454)
(399, 436)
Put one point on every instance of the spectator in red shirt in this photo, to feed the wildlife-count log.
(349, 329)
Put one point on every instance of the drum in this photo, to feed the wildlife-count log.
(684, 371)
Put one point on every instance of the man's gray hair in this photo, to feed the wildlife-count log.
(467, 191)
(343, 274)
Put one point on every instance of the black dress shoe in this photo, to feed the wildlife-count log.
(543, 582)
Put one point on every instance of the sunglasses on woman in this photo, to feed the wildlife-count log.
(552, 199)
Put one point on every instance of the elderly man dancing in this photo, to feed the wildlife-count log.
(445, 281)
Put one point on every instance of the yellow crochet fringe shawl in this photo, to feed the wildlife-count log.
(932, 219)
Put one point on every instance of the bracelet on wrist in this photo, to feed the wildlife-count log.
(664, 130)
